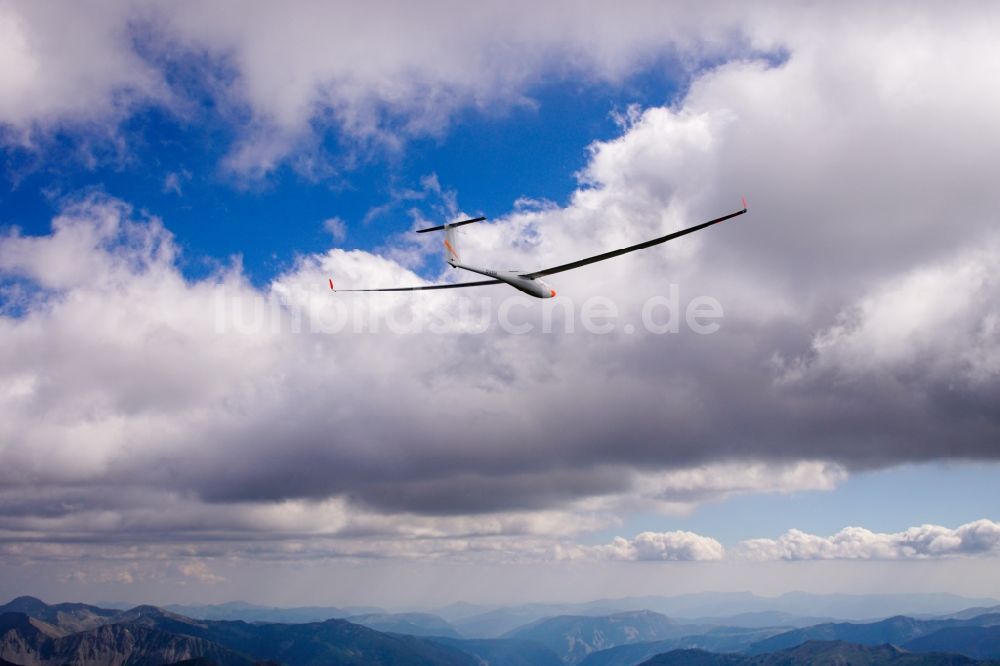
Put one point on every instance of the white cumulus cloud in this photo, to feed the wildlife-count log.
(336, 227)
(659, 546)
(981, 537)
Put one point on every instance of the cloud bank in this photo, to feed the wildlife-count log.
(860, 303)
(980, 538)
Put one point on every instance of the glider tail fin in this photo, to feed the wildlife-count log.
(450, 240)
(451, 245)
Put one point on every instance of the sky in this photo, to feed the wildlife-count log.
(802, 398)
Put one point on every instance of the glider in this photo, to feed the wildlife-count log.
(531, 283)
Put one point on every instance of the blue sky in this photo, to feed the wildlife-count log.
(153, 443)
(882, 500)
(489, 157)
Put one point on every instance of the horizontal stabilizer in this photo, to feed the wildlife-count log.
(450, 224)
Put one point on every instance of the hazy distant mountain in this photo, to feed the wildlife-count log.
(970, 613)
(461, 610)
(762, 619)
(504, 651)
(238, 610)
(978, 642)
(718, 639)
(500, 621)
(813, 653)
(414, 624)
(721, 608)
(869, 606)
(573, 637)
(896, 630)
(728, 639)
(497, 622)
(843, 606)
(474, 621)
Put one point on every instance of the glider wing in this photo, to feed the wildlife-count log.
(631, 248)
(457, 285)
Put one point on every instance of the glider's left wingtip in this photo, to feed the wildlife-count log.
(331, 285)
(745, 207)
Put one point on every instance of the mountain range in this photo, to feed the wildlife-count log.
(738, 609)
(33, 633)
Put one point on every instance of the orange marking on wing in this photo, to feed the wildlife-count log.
(331, 284)
(450, 248)
(552, 292)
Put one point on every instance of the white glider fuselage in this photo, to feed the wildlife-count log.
(535, 287)
(531, 286)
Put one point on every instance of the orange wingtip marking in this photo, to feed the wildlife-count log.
(450, 248)
(331, 284)
(744, 203)
(552, 293)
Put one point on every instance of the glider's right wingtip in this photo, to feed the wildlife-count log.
(745, 207)
(331, 285)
